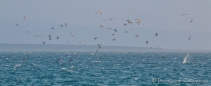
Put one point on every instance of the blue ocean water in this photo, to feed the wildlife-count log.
(104, 68)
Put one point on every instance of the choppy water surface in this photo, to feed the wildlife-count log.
(105, 68)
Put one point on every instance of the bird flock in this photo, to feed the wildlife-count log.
(138, 22)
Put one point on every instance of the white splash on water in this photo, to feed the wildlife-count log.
(18, 65)
(97, 61)
(185, 59)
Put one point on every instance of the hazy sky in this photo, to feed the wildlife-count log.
(159, 16)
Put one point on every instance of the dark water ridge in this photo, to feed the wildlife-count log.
(105, 68)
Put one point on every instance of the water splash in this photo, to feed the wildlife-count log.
(185, 59)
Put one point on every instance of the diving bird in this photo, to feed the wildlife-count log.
(189, 38)
(24, 17)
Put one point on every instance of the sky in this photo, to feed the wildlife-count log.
(160, 16)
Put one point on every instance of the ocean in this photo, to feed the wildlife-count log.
(105, 68)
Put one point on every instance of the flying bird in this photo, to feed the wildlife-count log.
(57, 37)
(24, 17)
(43, 42)
(113, 39)
(147, 42)
(180, 22)
(99, 13)
(124, 24)
(52, 28)
(95, 38)
(66, 24)
(189, 38)
(111, 18)
(139, 21)
(183, 14)
(156, 34)
(133, 10)
(82, 43)
(101, 26)
(61, 25)
(28, 32)
(144, 24)
(137, 36)
(126, 32)
(98, 44)
(71, 33)
(99, 47)
(43, 36)
(104, 20)
(133, 29)
(191, 21)
(129, 22)
(115, 30)
(17, 25)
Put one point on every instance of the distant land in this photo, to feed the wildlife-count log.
(63, 47)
